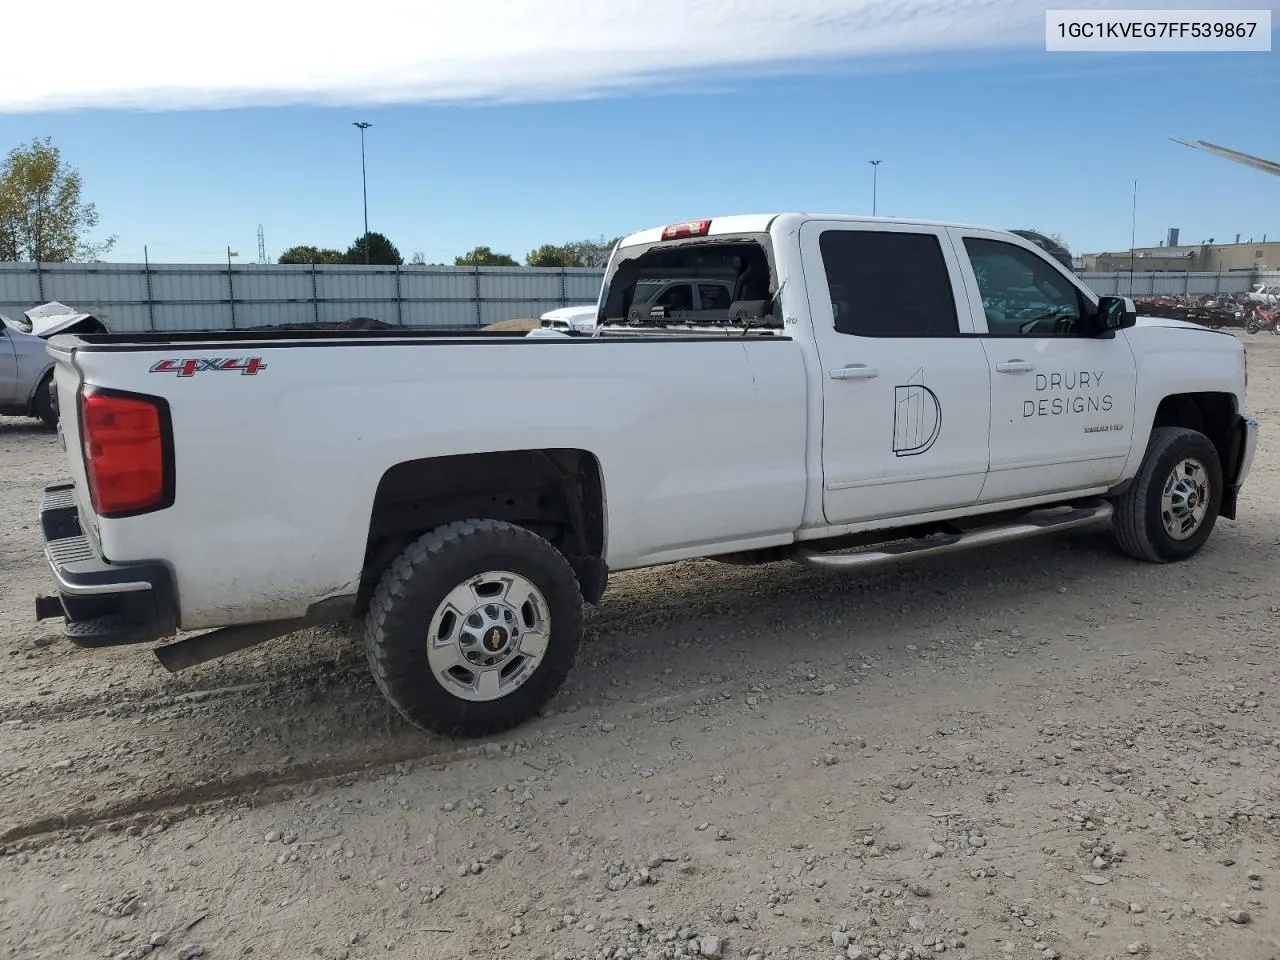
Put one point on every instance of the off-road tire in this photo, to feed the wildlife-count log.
(42, 405)
(400, 611)
(1137, 525)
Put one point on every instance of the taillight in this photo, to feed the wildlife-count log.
(128, 452)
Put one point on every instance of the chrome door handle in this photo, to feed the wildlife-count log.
(1015, 366)
(854, 371)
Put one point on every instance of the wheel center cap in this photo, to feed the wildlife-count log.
(1191, 500)
(495, 638)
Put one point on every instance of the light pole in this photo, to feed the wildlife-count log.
(875, 169)
(364, 187)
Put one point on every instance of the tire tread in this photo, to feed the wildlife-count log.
(393, 662)
(1129, 522)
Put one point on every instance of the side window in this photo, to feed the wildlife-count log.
(888, 284)
(1022, 295)
(678, 296)
(713, 296)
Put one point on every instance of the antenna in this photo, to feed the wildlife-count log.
(262, 246)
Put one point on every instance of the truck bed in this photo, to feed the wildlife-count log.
(279, 453)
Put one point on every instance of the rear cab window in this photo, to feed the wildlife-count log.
(714, 282)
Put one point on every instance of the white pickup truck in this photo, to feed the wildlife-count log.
(877, 390)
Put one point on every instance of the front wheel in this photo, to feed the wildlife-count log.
(1170, 509)
(474, 628)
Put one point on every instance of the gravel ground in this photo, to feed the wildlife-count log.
(1039, 751)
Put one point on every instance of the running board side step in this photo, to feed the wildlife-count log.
(940, 543)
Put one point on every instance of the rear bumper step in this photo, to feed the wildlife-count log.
(101, 603)
(1026, 528)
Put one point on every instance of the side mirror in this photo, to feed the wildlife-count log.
(1116, 313)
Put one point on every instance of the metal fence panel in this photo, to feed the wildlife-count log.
(495, 311)
(1170, 284)
(189, 285)
(19, 288)
(177, 297)
(512, 284)
(438, 283)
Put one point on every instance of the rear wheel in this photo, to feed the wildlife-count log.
(1172, 505)
(474, 628)
(43, 406)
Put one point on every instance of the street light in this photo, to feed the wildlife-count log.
(364, 186)
(875, 169)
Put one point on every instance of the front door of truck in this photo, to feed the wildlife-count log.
(906, 398)
(1062, 400)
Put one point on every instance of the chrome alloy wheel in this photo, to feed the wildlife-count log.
(1184, 501)
(488, 636)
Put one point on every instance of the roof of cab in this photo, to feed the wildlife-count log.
(761, 222)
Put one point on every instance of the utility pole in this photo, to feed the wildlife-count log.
(875, 169)
(364, 186)
(1133, 234)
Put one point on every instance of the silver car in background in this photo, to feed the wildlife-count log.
(26, 368)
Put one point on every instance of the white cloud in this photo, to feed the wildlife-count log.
(173, 54)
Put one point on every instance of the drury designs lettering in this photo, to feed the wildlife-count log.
(1064, 393)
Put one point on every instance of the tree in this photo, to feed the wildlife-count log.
(550, 255)
(304, 253)
(578, 253)
(419, 259)
(41, 214)
(381, 251)
(485, 257)
(592, 253)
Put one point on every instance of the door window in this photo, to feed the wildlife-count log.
(713, 296)
(1022, 294)
(888, 284)
(678, 296)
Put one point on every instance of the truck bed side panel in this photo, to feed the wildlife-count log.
(700, 443)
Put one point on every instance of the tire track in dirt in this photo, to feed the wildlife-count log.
(326, 720)
(270, 785)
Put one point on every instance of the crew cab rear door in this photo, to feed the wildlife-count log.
(906, 397)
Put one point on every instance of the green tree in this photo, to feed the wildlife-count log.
(41, 214)
(485, 257)
(550, 255)
(591, 253)
(381, 251)
(305, 253)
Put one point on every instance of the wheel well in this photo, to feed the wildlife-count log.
(557, 494)
(1213, 414)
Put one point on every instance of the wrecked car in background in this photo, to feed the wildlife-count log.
(26, 369)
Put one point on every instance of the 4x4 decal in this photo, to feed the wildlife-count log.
(189, 367)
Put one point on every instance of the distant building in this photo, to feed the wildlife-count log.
(1205, 258)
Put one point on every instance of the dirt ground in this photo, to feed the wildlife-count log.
(1039, 751)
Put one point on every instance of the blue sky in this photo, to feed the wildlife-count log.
(1010, 137)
